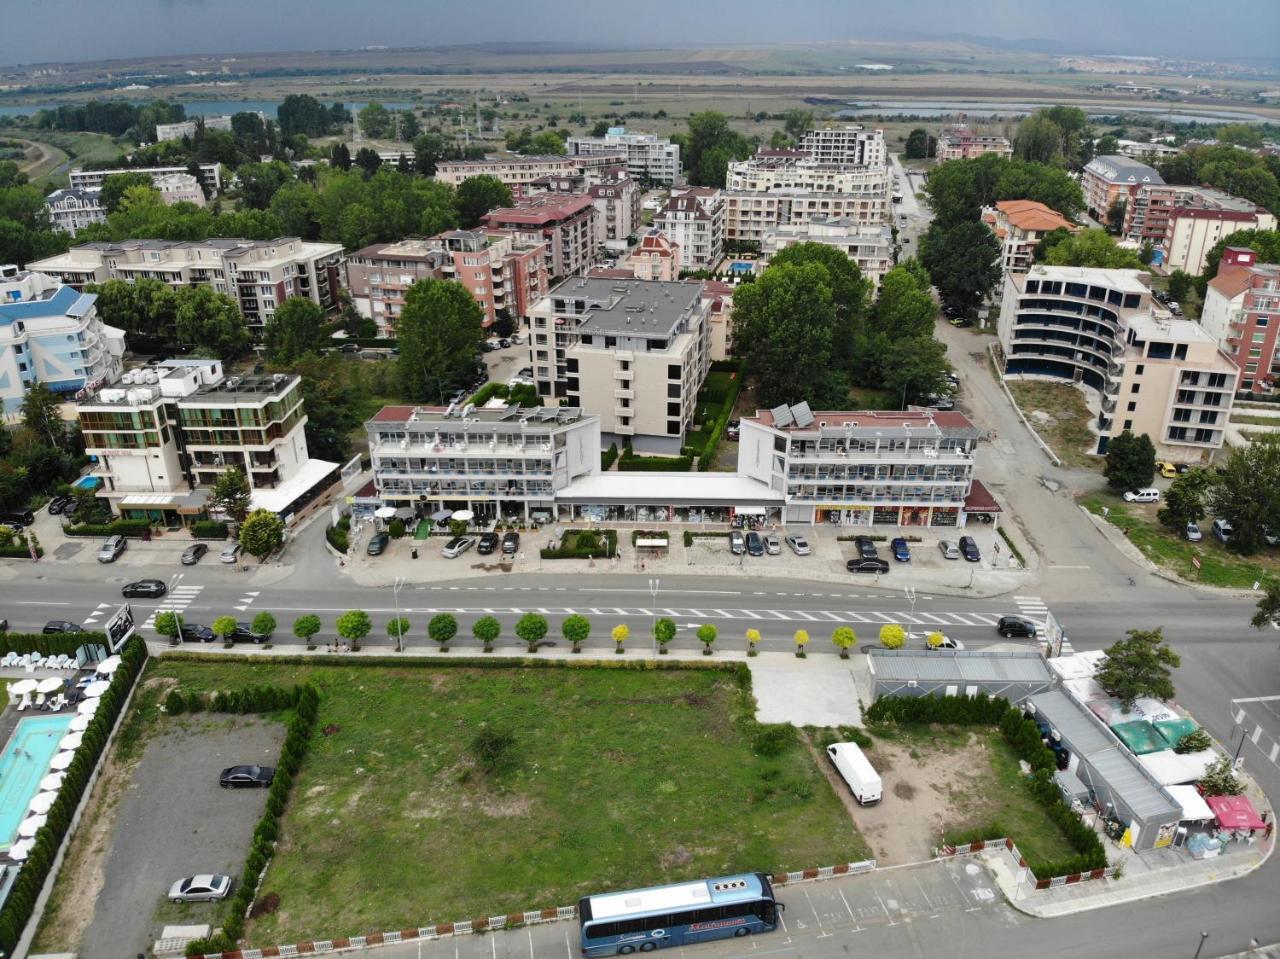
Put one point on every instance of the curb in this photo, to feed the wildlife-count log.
(991, 348)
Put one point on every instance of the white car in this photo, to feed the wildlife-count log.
(947, 643)
(457, 546)
(772, 545)
(949, 549)
(230, 553)
(202, 888)
(799, 545)
(1147, 495)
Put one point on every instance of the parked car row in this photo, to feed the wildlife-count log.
(244, 633)
(756, 544)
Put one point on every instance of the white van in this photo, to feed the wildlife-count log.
(857, 771)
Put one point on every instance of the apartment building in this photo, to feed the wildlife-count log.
(502, 462)
(1102, 328)
(501, 269)
(258, 274)
(617, 200)
(51, 334)
(1020, 225)
(871, 247)
(848, 145)
(1242, 314)
(163, 434)
(187, 128)
(210, 175)
(632, 352)
(1154, 150)
(649, 158)
(719, 297)
(518, 171)
(179, 188)
(655, 257)
(694, 220)
(1110, 179)
(71, 210)
(884, 468)
(962, 143)
(379, 275)
(564, 223)
(1198, 220)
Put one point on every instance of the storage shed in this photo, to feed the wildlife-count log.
(942, 672)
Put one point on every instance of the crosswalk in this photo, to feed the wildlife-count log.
(177, 601)
(1033, 607)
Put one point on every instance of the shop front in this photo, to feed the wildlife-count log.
(661, 498)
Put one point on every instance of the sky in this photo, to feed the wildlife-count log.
(70, 30)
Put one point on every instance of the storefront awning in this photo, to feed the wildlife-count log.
(749, 510)
(668, 489)
(309, 475)
(980, 500)
(1194, 808)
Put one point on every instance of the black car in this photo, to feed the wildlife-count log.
(195, 633)
(1017, 626)
(755, 545)
(234, 777)
(244, 634)
(55, 626)
(19, 517)
(969, 549)
(191, 555)
(488, 543)
(866, 548)
(61, 504)
(510, 543)
(378, 544)
(145, 589)
(867, 566)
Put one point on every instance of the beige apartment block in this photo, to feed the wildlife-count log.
(517, 171)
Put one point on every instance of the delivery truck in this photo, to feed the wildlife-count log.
(855, 769)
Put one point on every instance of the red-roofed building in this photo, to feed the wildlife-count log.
(1192, 231)
(567, 223)
(1242, 312)
(656, 257)
(694, 219)
(1020, 225)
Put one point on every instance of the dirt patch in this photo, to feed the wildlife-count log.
(677, 857)
(904, 790)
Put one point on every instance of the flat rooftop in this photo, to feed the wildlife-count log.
(451, 417)
(1125, 281)
(629, 306)
(1150, 327)
(235, 389)
(889, 423)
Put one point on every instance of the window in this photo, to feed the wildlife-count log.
(1137, 370)
(1128, 424)
(1181, 416)
(673, 391)
(1180, 351)
(673, 427)
(673, 371)
(1259, 337)
(1132, 407)
(673, 409)
(1261, 320)
(1135, 388)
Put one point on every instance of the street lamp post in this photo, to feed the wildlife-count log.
(177, 615)
(1203, 937)
(395, 592)
(653, 612)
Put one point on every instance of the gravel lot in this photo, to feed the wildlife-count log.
(175, 821)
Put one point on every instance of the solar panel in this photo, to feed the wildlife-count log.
(803, 415)
(782, 415)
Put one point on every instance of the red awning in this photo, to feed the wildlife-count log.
(980, 500)
(1235, 812)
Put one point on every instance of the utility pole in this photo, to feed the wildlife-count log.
(653, 612)
(395, 592)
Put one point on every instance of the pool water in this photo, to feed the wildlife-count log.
(23, 764)
(87, 482)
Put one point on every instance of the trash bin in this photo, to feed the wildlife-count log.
(414, 552)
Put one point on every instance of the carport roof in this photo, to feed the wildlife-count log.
(960, 666)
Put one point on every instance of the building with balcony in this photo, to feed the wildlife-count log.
(502, 269)
(71, 210)
(655, 257)
(163, 434)
(258, 274)
(502, 463)
(179, 188)
(617, 201)
(1200, 219)
(187, 128)
(962, 143)
(1107, 180)
(648, 158)
(1242, 314)
(871, 247)
(379, 275)
(632, 352)
(51, 334)
(518, 171)
(694, 220)
(210, 175)
(883, 468)
(1020, 225)
(847, 145)
(565, 224)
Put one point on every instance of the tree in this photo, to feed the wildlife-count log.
(1195, 741)
(849, 292)
(1131, 461)
(297, 327)
(707, 634)
(709, 147)
(532, 628)
(42, 415)
(1184, 500)
(486, 629)
(231, 494)
(1180, 284)
(168, 625)
(209, 320)
(753, 637)
(619, 634)
(576, 628)
(375, 121)
(797, 123)
(340, 156)
(439, 332)
(664, 631)
(477, 195)
(918, 144)
(600, 129)
(915, 368)
(801, 638)
(442, 628)
(264, 624)
(1038, 140)
(354, 625)
(223, 627)
(1092, 248)
(547, 143)
(300, 113)
(1115, 215)
(262, 533)
(368, 160)
(428, 150)
(306, 627)
(963, 261)
(844, 639)
(1219, 779)
(409, 127)
(1138, 666)
(1246, 492)
(1268, 613)
(117, 185)
(259, 182)
(892, 636)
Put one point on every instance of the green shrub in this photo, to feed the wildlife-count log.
(209, 529)
(395, 529)
(584, 544)
(773, 739)
(339, 536)
(121, 527)
(655, 464)
(609, 457)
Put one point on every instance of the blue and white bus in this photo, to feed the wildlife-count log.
(642, 920)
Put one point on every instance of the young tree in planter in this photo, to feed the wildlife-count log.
(264, 624)
(306, 627)
(1140, 665)
(442, 628)
(753, 637)
(892, 636)
(1219, 779)
(844, 639)
(576, 629)
(707, 636)
(168, 626)
(802, 640)
(486, 629)
(262, 533)
(353, 626)
(231, 495)
(664, 631)
(532, 628)
(934, 639)
(223, 627)
(620, 634)
(396, 629)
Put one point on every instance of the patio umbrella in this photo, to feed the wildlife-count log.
(20, 850)
(30, 826)
(88, 707)
(52, 782)
(80, 723)
(440, 515)
(385, 512)
(109, 665)
(41, 803)
(464, 514)
(95, 689)
(23, 687)
(62, 760)
(50, 685)
(71, 741)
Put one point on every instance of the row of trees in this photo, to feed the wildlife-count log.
(115, 118)
(1254, 176)
(195, 318)
(39, 454)
(25, 233)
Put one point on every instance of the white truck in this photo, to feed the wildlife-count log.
(857, 771)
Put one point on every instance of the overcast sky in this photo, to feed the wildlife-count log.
(48, 30)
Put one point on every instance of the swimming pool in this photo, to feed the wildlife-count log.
(87, 482)
(24, 763)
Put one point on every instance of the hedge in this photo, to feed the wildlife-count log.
(689, 536)
(1022, 734)
(338, 535)
(122, 527)
(721, 419)
(209, 529)
(650, 534)
(52, 645)
(609, 457)
(22, 551)
(20, 905)
(655, 464)
(587, 545)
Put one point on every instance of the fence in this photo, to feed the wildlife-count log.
(1008, 846)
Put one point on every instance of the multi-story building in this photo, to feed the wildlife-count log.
(501, 269)
(179, 188)
(162, 435)
(884, 468)
(720, 297)
(655, 257)
(1242, 314)
(1020, 225)
(633, 352)
(51, 334)
(962, 143)
(210, 175)
(1197, 220)
(72, 210)
(379, 275)
(1102, 328)
(848, 145)
(694, 220)
(258, 274)
(871, 247)
(564, 223)
(187, 128)
(649, 158)
(617, 200)
(505, 462)
(1155, 150)
(1108, 180)
(517, 171)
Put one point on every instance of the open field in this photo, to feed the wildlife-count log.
(1059, 413)
(616, 778)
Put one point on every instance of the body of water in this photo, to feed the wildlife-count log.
(24, 763)
(1181, 113)
(199, 108)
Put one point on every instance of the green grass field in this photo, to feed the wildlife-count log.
(1068, 434)
(617, 778)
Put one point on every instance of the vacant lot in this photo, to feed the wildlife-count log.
(615, 778)
(1060, 416)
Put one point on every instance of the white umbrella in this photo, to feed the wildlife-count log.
(80, 723)
(96, 689)
(385, 512)
(50, 685)
(71, 741)
(40, 805)
(52, 782)
(24, 686)
(464, 514)
(20, 850)
(62, 760)
(29, 827)
(88, 707)
(109, 665)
